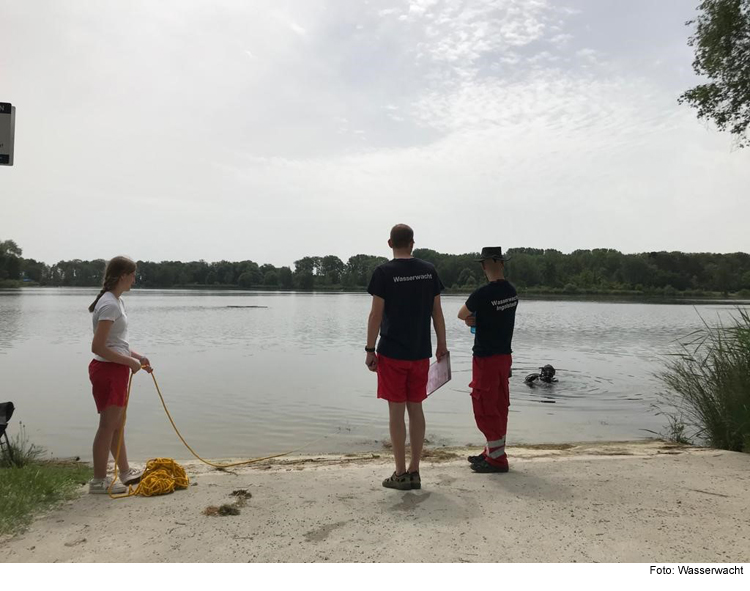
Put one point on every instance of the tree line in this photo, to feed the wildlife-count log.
(530, 269)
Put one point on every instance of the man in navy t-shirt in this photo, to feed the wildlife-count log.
(492, 309)
(405, 300)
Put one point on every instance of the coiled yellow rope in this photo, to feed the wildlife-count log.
(164, 475)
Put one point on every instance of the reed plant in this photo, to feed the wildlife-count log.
(19, 452)
(708, 385)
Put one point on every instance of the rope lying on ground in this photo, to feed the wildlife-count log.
(161, 476)
(164, 475)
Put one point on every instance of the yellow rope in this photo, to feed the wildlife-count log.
(164, 475)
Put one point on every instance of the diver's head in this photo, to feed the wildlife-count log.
(547, 372)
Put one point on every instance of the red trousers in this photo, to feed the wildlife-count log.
(490, 395)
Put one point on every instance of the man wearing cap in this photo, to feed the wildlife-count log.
(405, 299)
(492, 309)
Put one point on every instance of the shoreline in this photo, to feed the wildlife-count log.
(591, 502)
(581, 295)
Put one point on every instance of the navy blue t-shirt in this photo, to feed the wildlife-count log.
(409, 287)
(495, 306)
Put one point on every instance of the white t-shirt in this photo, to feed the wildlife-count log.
(112, 308)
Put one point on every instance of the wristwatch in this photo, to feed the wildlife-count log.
(370, 349)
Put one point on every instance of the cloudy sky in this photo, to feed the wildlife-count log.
(271, 130)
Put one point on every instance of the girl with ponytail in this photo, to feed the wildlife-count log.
(109, 372)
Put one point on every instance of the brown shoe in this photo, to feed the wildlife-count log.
(398, 481)
(416, 481)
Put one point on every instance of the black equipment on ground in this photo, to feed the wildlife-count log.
(6, 411)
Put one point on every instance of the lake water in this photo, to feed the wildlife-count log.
(243, 381)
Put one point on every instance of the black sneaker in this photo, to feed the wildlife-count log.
(476, 459)
(416, 481)
(399, 481)
(485, 467)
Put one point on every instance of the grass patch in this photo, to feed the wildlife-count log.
(19, 452)
(708, 381)
(36, 487)
(676, 430)
(29, 485)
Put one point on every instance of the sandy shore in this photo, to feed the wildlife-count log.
(629, 502)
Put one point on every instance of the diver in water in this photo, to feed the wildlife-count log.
(546, 374)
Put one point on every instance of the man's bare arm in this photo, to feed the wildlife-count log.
(373, 328)
(438, 321)
(373, 322)
(467, 316)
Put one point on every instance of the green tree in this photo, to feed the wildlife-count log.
(286, 280)
(524, 269)
(10, 260)
(304, 272)
(253, 270)
(724, 278)
(550, 276)
(466, 278)
(34, 271)
(245, 280)
(331, 268)
(264, 269)
(271, 279)
(199, 271)
(10, 248)
(722, 54)
(304, 280)
(359, 269)
(306, 265)
(635, 270)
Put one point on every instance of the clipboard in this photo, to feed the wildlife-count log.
(439, 374)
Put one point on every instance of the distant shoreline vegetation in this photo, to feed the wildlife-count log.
(535, 272)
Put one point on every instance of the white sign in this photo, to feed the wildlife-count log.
(7, 133)
(440, 374)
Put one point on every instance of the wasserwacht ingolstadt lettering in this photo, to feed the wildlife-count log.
(501, 305)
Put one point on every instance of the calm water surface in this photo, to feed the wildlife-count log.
(245, 381)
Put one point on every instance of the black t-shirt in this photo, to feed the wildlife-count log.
(409, 287)
(495, 306)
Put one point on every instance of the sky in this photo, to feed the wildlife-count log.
(273, 130)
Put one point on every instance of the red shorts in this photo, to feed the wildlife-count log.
(109, 383)
(402, 381)
(490, 377)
